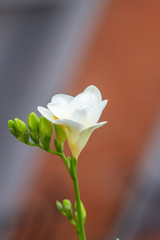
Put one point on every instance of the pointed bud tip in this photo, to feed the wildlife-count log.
(45, 127)
(10, 123)
(21, 129)
(33, 123)
(68, 208)
(12, 128)
(20, 125)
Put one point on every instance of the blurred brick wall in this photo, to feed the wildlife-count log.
(123, 61)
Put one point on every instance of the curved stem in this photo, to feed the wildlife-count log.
(80, 223)
(79, 211)
(49, 150)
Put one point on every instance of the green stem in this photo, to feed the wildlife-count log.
(80, 223)
(49, 150)
(80, 220)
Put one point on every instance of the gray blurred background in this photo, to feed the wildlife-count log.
(41, 44)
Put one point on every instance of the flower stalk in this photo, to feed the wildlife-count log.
(74, 120)
(79, 210)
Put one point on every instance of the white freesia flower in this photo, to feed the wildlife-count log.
(78, 115)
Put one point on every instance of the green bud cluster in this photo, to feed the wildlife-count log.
(19, 129)
(66, 209)
(38, 129)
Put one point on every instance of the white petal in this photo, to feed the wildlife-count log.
(82, 100)
(84, 115)
(66, 98)
(84, 136)
(59, 105)
(70, 125)
(95, 91)
(92, 128)
(101, 108)
(72, 130)
(46, 113)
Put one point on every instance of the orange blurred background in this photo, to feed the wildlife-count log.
(115, 46)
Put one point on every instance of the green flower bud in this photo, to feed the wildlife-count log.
(58, 145)
(60, 133)
(20, 126)
(21, 129)
(46, 129)
(68, 208)
(45, 141)
(60, 207)
(26, 137)
(84, 214)
(34, 138)
(33, 123)
(12, 128)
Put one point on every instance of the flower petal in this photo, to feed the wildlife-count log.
(92, 128)
(95, 91)
(70, 125)
(66, 98)
(84, 115)
(59, 105)
(72, 130)
(84, 136)
(77, 115)
(83, 100)
(46, 113)
(101, 107)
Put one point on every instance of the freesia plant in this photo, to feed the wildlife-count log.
(74, 119)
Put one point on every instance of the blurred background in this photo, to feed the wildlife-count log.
(62, 46)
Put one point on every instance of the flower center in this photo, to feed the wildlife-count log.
(55, 118)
